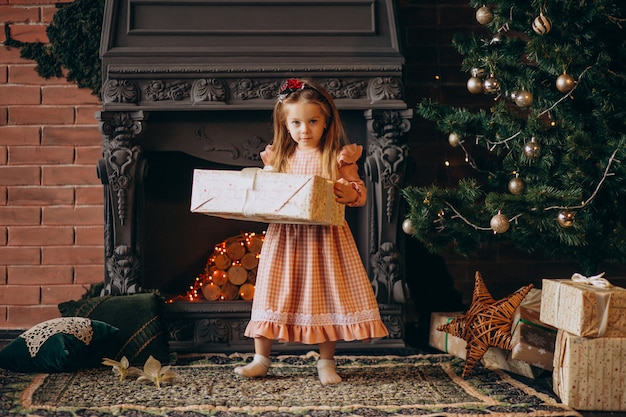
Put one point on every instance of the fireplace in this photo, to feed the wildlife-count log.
(191, 84)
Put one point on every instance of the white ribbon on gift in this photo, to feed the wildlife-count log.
(603, 300)
(596, 280)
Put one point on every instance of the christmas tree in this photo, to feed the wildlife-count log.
(547, 151)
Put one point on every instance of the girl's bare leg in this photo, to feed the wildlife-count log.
(261, 362)
(326, 364)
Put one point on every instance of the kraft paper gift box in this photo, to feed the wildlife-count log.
(531, 340)
(496, 358)
(264, 196)
(590, 373)
(443, 341)
(584, 309)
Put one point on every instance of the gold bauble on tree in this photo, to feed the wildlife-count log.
(524, 98)
(499, 223)
(484, 15)
(565, 83)
(516, 185)
(566, 218)
(407, 227)
(491, 85)
(542, 24)
(475, 85)
(532, 149)
(454, 139)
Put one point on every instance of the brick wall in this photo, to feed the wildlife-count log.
(51, 212)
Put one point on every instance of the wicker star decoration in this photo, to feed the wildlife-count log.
(486, 323)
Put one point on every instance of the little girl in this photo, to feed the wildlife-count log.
(311, 285)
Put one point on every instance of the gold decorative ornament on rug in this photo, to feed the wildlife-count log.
(486, 323)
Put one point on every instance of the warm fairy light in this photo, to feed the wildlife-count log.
(446, 163)
(437, 77)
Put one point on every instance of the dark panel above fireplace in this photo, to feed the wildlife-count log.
(199, 77)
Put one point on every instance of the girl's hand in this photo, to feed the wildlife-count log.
(344, 192)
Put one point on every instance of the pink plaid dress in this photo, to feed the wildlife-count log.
(311, 285)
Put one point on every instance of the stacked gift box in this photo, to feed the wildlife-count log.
(590, 352)
(532, 341)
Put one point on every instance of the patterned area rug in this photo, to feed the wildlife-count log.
(417, 385)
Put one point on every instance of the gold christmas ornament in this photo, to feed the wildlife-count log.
(566, 218)
(532, 148)
(491, 85)
(454, 139)
(407, 227)
(499, 223)
(484, 15)
(542, 24)
(524, 98)
(516, 186)
(565, 83)
(475, 85)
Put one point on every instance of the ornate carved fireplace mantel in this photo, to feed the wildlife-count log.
(198, 78)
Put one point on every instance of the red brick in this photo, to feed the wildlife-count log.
(41, 236)
(19, 256)
(19, 175)
(40, 2)
(55, 294)
(89, 274)
(27, 74)
(85, 114)
(3, 275)
(48, 12)
(25, 317)
(88, 155)
(78, 255)
(72, 216)
(89, 196)
(20, 294)
(20, 135)
(29, 32)
(40, 274)
(19, 14)
(19, 94)
(40, 155)
(10, 55)
(4, 155)
(10, 216)
(71, 135)
(3, 236)
(3, 37)
(69, 94)
(40, 115)
(4, 74)
(69, 174)
(40, 196)
(4, 115)
(3, 196)
(89, 235)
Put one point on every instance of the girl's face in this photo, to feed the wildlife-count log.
(306, 124)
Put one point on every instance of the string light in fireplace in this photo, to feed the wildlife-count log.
(230, 271)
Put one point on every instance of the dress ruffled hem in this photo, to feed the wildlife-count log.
(311, 335)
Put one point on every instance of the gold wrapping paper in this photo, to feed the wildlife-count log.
(263, 196)
(443, 341)
(590, 373)
(496, 358)
(582, 309)
(532, 341)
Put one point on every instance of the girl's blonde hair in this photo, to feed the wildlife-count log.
(333, 139)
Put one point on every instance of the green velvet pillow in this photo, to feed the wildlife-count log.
(58, 345)
(142, 330)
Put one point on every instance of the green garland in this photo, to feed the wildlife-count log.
(74, 36)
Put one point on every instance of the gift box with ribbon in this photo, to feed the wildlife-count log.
(532, 341)
(589, 372)
(443, 341)
(496, 358)
(586, 307)
(264, 196)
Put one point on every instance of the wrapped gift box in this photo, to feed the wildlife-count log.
(264, 196)
(496, 358)
(590, 373)
(583, 309)
(531, 340)
(443, 341)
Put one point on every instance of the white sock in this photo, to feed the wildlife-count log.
(257, 368)
(326, 372)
